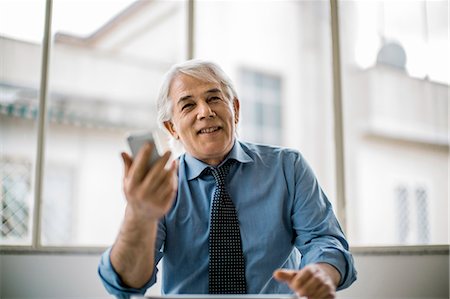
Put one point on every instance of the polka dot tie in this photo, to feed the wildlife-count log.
(226, 260)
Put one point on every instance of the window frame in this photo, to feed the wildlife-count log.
(37, 248)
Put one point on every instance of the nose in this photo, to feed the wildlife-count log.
(204, 110)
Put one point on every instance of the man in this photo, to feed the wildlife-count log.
(227, 216)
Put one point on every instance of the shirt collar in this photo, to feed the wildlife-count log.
(195, 167)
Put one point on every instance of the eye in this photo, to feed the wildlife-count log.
(214, 99)
(187, 106)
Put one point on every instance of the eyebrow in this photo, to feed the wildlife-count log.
(213, 90)
(187, 97)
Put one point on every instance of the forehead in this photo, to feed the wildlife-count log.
(183, 85)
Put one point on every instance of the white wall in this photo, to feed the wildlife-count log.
(75, 276)
(400, 276)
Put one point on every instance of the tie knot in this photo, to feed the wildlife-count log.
(220, 173)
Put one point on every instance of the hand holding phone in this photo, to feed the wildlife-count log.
(150, 193)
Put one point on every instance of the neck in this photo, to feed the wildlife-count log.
(213, 162)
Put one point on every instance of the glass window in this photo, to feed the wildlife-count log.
(395, 94)
(262, 96)
(59, 221)
(16, 203)
(104, 78)
(278, 53)
(104, 75)
(20, 67)
(402, 213)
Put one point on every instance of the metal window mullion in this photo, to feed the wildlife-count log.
(338, 119)
(190, 29)
(39, 171)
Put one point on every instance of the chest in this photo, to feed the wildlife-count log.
(263, 203)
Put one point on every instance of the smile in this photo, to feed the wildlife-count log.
(209, 130)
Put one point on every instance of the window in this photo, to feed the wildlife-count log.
(16, 194)
(395, 93)
(402, 214)
(411, 206)
(261, 106)
(279, 56)
(104, 73)
(19, 91)
(59, 223)
(423, 225)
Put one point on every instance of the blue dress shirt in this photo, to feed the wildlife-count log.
(282, 212)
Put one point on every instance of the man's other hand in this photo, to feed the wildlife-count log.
(315, 281)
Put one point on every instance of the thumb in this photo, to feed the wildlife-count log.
(284, 275)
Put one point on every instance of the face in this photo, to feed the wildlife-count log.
(204, 120)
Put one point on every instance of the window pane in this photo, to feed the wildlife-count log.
(263, 97)
(104, 77)
(395, 91)
(20, 56)
(278, 53)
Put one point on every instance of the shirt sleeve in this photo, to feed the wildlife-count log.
(111, 279)
(319, 237)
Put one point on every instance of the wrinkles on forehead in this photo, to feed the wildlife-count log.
(206, 78)
(184, 87)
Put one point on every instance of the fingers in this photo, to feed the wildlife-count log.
(284, 275)
(158, 172)
(311, 281)
(126, 162)
(167, 191)
(150, 191)
(160, 181)
(324, 292)
(304, 281)
(309, 284)
(138, 168)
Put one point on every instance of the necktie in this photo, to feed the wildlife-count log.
(226, 260)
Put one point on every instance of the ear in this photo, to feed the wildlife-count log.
(236, 108)
(171, 128)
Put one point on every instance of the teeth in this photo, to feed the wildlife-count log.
(209, 130)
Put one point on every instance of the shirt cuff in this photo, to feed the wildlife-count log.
(341, 260)
(112, 282)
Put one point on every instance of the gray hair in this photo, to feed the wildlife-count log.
(203, 70)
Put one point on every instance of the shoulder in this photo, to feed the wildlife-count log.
(271, 153)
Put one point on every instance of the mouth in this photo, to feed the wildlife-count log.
(208, 130)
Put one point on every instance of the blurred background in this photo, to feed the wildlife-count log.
(106, 60)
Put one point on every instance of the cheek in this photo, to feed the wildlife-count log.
(184, 127)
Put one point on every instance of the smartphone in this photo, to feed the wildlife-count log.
(137, 140)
